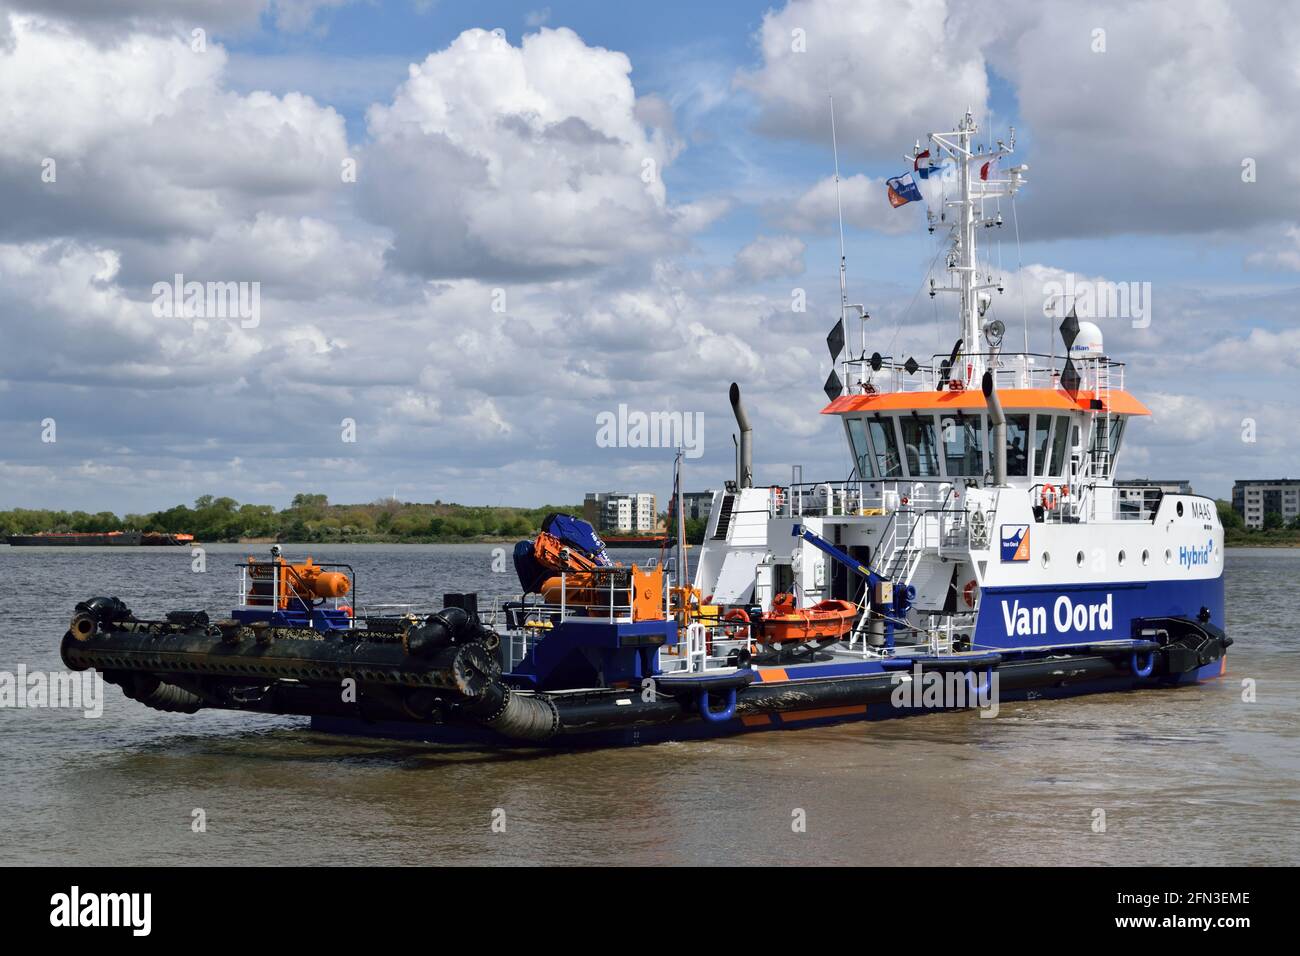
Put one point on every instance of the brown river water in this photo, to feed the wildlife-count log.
(1188, 776)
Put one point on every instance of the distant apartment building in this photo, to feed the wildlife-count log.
(697, 505)
(1143, 494)
(1256, 498)
(610, 511)
(1169, 487)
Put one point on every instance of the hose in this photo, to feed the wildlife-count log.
(153, 692)
(518, 716)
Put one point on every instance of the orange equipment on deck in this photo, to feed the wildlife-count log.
(305, 582)
(789, 623)
(588, 586)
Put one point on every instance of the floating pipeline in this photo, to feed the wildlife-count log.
(445, 670)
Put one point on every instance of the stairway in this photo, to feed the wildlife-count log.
(724, 517)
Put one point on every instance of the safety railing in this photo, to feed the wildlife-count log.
(703, 647)
(898, 551)
(276, 573)
(856, 497)
(1010, 370)
(1079, 503)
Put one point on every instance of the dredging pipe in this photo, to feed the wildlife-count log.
(447, 661)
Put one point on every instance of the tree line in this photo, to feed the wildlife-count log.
(1275, 530)
(309, 518)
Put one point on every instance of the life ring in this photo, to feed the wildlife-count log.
(346, 609)
(1143, 670)
(741, 617)
(1050, 497)
(968, 592)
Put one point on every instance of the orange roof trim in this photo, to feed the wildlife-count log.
(971, 400)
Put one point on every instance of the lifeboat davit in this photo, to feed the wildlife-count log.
(789, 623)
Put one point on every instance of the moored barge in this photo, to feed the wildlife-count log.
(98, 539)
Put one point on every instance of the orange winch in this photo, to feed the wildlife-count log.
(306, 582)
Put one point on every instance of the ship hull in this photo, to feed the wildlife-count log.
(796, 705)
(126, 539)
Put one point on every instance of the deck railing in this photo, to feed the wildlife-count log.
(1010, 370)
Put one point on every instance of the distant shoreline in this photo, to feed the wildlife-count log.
(310, 519)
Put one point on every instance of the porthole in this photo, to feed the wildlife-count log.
(1146, 557)
(1180, 509)
(1123, 556)
(1047, 558)
(1079, 559)
(1169, 556)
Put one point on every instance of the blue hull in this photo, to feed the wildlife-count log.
(699, 729)
(1126, 602)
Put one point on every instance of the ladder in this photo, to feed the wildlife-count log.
(903, 562)
(724, 517)
(1101, 450)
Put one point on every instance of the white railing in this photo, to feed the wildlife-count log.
(269, 600)
(1097, 504)
(1010, 370)
(856, 497)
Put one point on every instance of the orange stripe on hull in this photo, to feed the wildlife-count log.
(824, 712)
(756, 720)
(769, 674)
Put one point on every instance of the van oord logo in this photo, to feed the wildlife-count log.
(1015, 542)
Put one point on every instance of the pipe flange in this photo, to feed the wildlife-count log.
(83, 626)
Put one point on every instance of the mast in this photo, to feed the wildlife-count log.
(839, 208)
(844, 294)
(683, 571)
(977, 180)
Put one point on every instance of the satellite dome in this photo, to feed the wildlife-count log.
(1088, 343)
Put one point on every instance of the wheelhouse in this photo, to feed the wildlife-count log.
(899, 432)
(922, 444)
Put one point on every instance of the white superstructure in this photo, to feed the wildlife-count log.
(983, 478)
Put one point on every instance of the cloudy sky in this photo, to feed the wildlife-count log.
(474, 227)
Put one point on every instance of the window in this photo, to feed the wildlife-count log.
(886, 446)
(1018, 445)
(1042, 439)
(1060, 440)
(918, 440)
(861, 450)
(963, 444)
(1116, 433)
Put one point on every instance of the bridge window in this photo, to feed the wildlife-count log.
(861, 450)
(963, 444)
(1042, 441)
(885, 444)
(1060, 439)
(1116, 433)
(1018, 445)
(918, 440)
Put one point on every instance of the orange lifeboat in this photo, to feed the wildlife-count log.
(787, 623)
